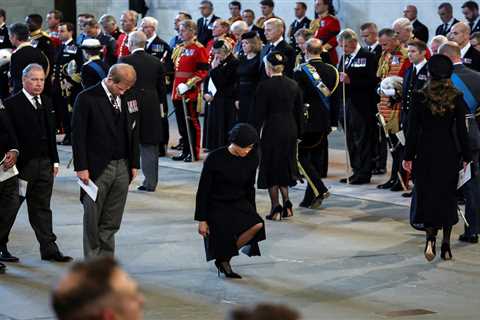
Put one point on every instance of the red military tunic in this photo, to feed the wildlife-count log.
(191, 67)
(328, 29)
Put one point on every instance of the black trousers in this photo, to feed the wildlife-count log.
(194, 124)
(379, 148)
(359, 139)
(9, 203)
(39, 176)
(312, 162)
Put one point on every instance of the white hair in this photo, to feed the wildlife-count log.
(31, 67)
(136, 39)
(277, 23)
(239, 26)
(403, 23)
(150, 20)
(439, 39)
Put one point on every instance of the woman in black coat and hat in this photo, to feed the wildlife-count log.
(279, 113)
(434, 154)
(220, 89)
(225, 206)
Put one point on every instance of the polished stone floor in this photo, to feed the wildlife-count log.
(356, 258)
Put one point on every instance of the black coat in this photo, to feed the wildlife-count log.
(222, 113)
(247, 77)
(27, 128)
(204, 33)
(472, 59)
(151, 95)
(377, 51)
(431, 145)
(161, 50)
(475, 28)
(441, 28)
(4, 43)
(109, 44)
(93, 132)
(294, 27)
(8, 138)
(226, 201)
(362, 71)
(20, 59)
(420, 31)
(279, 111)
(318, 120)
(287, 50)
(470, 77)
(4, 39)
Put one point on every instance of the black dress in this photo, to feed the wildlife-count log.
(436, 158)
(279, 111)
(248, 77)
(226, 200)
(222, 113)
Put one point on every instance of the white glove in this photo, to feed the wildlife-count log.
(72, 68)
(5, 55)
(388, 92)
(182, 88)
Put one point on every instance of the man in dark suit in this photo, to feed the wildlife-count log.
(360, 80)
(106, 152)
(470, 11)
(301, 21)
(420, 31)
(205, 23)
(151, 96)
(471, 81)
(33, 120)
(4, 44)
(461, 35)
(9, 187)
(249, 17)
(92, 30)
(445, 12)
(369, 34)
(24, 55)
(274, 29)
(317, 125)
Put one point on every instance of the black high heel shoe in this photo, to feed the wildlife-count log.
(430, 250)
(446, 253)
(287, 207)
(275, 214)
(225, 268)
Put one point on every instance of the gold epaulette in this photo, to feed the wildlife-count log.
(177, 52)
(38, 34)
(198, 44)
(314, 25)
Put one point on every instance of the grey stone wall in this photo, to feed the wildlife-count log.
(18, 9)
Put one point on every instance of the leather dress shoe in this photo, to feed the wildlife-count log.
(344, 180)
(359, 180)
(57, 257)
(468, 238)
(387, 185)
(304, 204)
(180, 157)
(317, 202)
(2, 268)
(142, 188)
(379, 171)
(397, 187)
(407, 194)
(5, 256)
(188, 158)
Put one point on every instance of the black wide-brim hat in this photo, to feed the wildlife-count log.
(276, 58)
(440, 67)
(249, 35)
(243, 135)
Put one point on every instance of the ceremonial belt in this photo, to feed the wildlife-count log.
(316, 81)
(183, 74)
(471, 101)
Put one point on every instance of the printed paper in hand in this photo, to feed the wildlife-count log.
(91, 188)
(5, 175)
(401, 137)
(463, 176)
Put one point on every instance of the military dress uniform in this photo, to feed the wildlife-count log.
(22, 56)
(261, 21)
(191, 67)
(4, 44)
(66, 86)
(93, 71)
(41, 40)
(326, 29)
(316, 124)
(294, 27)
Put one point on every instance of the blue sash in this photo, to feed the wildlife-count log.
(325, 100)
(471, 101)
(99, 70)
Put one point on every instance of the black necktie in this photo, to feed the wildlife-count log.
(38, 105)
(445, 28)
(347, 60)
(205, 22)
(113, 101)
(472, 24)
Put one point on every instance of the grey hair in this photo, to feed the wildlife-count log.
(348, 35)
(30, 67)
(439, 39)
(107, 18)
(150, 20)
(239, 26)
(277, 23)
(137, 39)
(403, 23)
